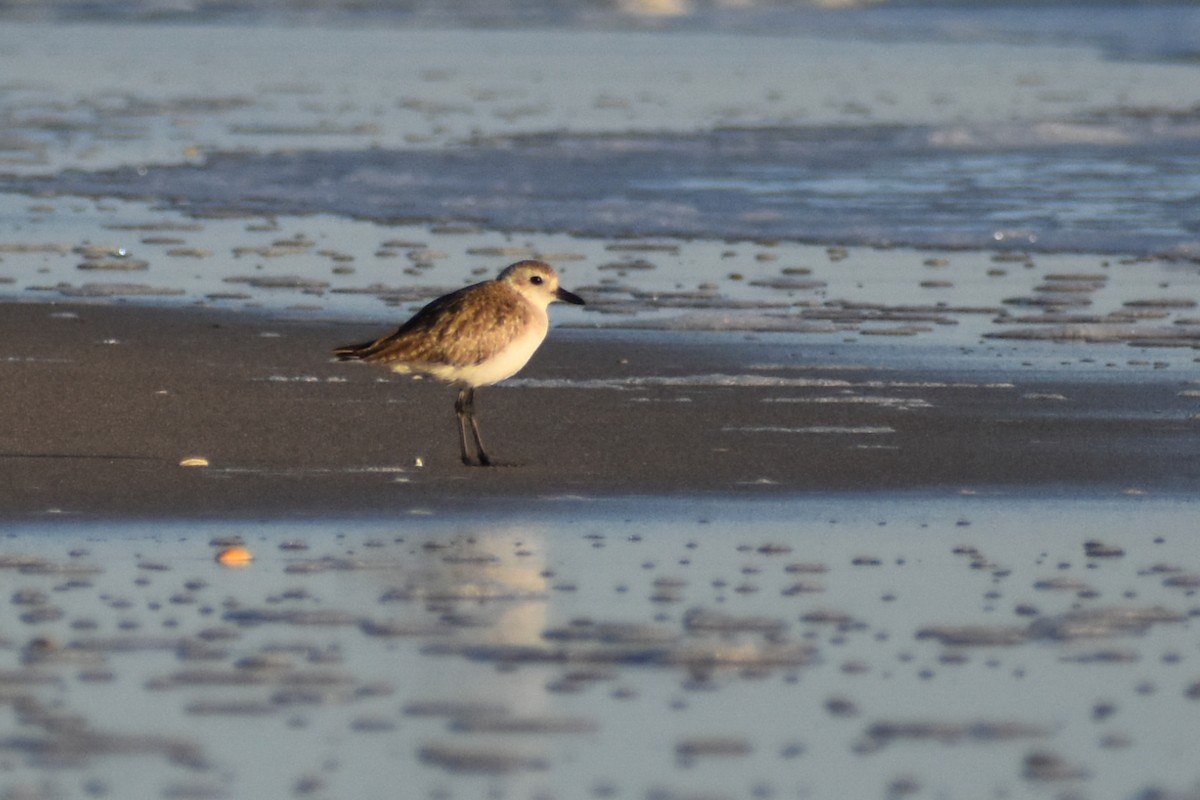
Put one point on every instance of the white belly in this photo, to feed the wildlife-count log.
(504, 364)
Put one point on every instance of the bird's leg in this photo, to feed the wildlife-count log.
(464, 406)
(460, 408)
(484, 459)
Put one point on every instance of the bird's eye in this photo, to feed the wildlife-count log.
(537, 280)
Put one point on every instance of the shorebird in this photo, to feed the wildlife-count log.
(476, 336)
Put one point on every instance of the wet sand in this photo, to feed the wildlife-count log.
(104, 402)
(840, 646)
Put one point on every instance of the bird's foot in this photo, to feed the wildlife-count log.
(488, 461)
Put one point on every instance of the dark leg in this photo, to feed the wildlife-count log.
(460, 408)
(464, 406)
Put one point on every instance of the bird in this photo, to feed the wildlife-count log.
(476, 336)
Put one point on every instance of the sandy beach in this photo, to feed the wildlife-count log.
(113, 399)
(868, 470)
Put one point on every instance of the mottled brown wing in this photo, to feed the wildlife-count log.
(462, 328)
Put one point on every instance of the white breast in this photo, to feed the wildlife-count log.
(504, 364)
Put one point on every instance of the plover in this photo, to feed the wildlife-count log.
(476, 336)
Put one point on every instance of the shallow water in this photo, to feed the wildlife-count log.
(327, 266)
(838, 139)
(917, 645)
(1102, 187)
(1049, 187)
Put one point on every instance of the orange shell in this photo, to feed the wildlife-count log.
(234, 557)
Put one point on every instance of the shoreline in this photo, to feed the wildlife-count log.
(104, 402)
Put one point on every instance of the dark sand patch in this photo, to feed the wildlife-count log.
(103, 403)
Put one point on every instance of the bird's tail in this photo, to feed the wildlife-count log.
(354, 352)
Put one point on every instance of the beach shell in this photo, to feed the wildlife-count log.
(235, 557)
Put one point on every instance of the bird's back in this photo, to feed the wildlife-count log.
(460, 330)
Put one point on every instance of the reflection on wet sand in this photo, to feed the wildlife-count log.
(332, 267)
(867, 641)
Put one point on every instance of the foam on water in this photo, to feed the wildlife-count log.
(837, 140)
(1083, 188)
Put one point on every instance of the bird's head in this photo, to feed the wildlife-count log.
(538, 282)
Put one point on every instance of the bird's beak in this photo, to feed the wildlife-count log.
(568, 297)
